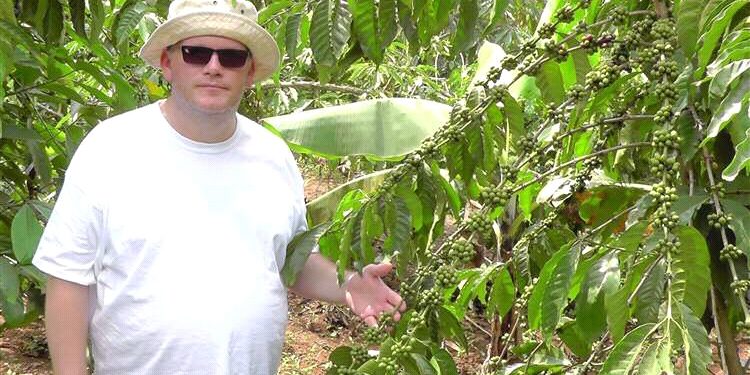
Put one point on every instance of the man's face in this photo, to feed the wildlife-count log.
(209, 88)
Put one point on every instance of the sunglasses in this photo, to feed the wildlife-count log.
(228, 58)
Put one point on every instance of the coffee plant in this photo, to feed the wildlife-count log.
(582, 195)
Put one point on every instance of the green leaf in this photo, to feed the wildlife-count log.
(650, 295)
(366, 234)
(413, 203)
(329, 31)
(399, 226)
(556, 293)
(502, 294)
(387, 22)
(716, 27)
(739, 223)
(341, 356)
(422, 365)
(8, 131)
(498, 13)
(467, 32)
(729, 108)
(539, 291)
(688, 15)
(382, 129)
(692, 275)
(41, 161)
(9, 282)
(292, 34)
(25, 234)
(727, 75)
(53, 22)
(696, 343)
(7, 11)
(616, 305)
(602, 279)
(366, 28)
(450, 327)
(550, 82)
(623, 356)
(740, 159)
(443, 361)
(321, 209)
(127, 20)
(97, 19)
(78, 16)
(299, 250)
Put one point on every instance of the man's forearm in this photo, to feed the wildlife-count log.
(318, 280)
(66, 318)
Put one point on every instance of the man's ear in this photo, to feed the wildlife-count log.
(250, 74)
(166, 65)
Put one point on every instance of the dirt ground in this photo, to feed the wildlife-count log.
(314, 330)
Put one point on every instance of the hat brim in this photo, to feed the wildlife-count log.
(261, 44)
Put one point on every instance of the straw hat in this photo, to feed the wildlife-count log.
(234, 19)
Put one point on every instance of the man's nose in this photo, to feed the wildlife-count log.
(214, 65)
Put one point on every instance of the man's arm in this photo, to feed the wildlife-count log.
(366, 294)
(66, 318)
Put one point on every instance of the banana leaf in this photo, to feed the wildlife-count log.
(380, 129)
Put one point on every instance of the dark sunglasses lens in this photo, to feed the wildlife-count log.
(196, 55)
(230, 58)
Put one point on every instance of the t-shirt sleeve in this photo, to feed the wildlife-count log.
(68, 247)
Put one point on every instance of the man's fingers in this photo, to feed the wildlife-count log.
(395, 299)
(370, 321)
(380, 269)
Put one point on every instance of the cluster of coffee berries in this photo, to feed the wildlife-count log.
(663, 29)
(668, 245)
(729, 252)
(360, 355)
(739, 287)
(430, 299)
(497, 364)
(565, 14)
(388, 364)
(428, 149)
(665, 68)
(417, 321)
(577, 92)
(374, 335)
(508, 172)
(480, 223)
(494, 195)
(619, 15)
(664, 164)
(717, 220)
(403, 346)
(666, 91)
(743, 326)
(603, 76)
(510, 62)
(445, 276)
(527, 144)
(718, 188)
(664, 194)
(664, 114)
(666, 139)
(461, 251)
(666, 218)
(557, 51)
(547, 30)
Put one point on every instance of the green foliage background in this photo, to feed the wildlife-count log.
(581, 179)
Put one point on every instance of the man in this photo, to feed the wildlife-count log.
(166, 242)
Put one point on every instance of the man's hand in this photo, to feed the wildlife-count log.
(368, 296)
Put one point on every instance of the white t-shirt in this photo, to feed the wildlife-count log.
(181, 243)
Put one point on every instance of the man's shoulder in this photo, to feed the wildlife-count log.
(128, 121)
(262, 136)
